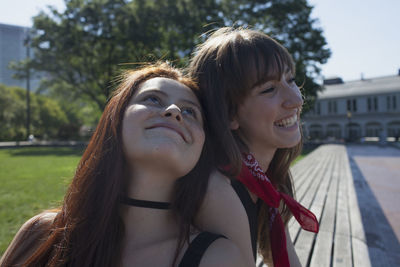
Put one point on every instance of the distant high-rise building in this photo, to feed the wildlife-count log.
(13, 48)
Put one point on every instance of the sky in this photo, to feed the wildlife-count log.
(363, 35)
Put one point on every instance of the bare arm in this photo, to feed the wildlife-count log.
(222, 212)
(27, 240)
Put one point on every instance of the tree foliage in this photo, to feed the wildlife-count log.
(88, 44)
(48, 118)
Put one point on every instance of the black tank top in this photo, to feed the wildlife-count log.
(251, 210)
(196, 249)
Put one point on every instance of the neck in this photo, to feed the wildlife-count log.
(264, 157)
(146, 225)
(153, 185)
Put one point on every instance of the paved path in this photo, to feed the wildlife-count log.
(376, 172)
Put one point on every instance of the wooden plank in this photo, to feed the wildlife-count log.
(342, 256)
(305, 165)
(360, 252)
(322, 250)
(312, 179)
(317, 166)
(316, 170)
(309, 167)
(305, 241)
(357, 229)
(307, 196)
(323, 244)
(324, 240)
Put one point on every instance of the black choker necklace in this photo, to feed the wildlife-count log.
(145, 203)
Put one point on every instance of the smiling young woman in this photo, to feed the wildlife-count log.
(137, 188)
(253, 105)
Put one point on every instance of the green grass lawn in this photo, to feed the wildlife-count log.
(32, 180)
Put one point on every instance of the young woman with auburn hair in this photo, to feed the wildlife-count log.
(253, 108)
(137, 187)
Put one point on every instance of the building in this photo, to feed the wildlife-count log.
(13, 48)
(356, 110)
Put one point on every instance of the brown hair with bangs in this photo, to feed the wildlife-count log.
(227, 66)
(88, 229)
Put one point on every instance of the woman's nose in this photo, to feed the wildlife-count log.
(293, 98)
(173, 111)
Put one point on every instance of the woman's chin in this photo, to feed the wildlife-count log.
(165, 156)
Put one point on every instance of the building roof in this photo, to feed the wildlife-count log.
(380, 85)
(10, 26)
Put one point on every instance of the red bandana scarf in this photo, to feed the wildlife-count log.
(253, 177)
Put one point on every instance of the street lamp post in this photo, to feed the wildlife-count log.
(349, 125)
(28, 86)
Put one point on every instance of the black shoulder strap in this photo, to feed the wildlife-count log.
(243, 194)
(196, 249)
(251, 211)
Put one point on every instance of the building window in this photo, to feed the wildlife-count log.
(394, 102)
(332, 107)
(369, 104)
(318, 108)
(352, 105)
(388, 102)
(375, 103)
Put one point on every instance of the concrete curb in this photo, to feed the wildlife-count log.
(17, 144)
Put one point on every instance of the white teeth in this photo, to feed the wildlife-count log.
(287, 122)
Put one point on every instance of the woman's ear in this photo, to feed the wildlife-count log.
(234, 124)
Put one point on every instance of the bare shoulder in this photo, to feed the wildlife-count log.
(222, 252)
(37, 224)
(220, 203)
(31, 234)
(218, 179)
(222, 212)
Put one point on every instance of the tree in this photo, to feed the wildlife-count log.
(86, 46)
(12, 113)
(47, 116)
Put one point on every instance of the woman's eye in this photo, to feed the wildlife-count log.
(292, 80)
(152, 99)
(188, 111)
(268, 90)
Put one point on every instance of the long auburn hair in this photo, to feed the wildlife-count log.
(87, 229)
(227, 66)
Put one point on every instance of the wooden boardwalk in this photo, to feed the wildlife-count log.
(324, 184)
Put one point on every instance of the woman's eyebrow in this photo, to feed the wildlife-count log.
(190, 102)
(157, 91)
(288, 70)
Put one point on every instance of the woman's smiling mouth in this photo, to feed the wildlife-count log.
(168, 126)
(287, 122)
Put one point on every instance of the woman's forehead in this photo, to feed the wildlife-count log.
(268, 71)
(165, 84)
